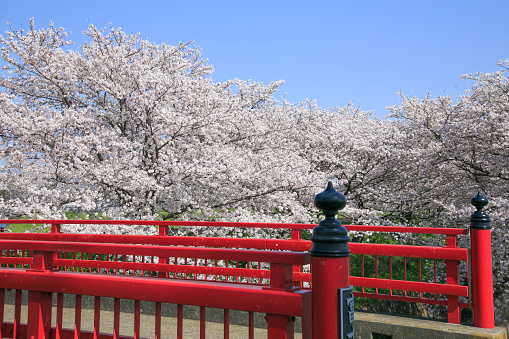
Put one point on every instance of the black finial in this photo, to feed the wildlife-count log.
(330, 238)
(480, 220)
(330, 201)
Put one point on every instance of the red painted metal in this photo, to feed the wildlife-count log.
(137, 319)
(164, 255)
(291, 258)
(482, 278)
(2, 303)
(208, 294)
(226, 322)
(452, 271)
(116, 318)
(407, 251)
(157, 326)
(328, 275)
(77, 316)
(180, 321)
(251, 325)
(97, 316)
(271, 244)
(202, 322)
(360, 228)
(55, 228)
(60, 315)
(406, 299)
(39, 314)
(17, 315)
(402, 285)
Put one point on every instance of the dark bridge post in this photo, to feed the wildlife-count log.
(332, 298)
(481, 263)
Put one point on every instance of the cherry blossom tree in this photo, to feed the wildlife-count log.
(138, 130)
(457, 149)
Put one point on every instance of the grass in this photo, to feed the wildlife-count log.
(23, 228)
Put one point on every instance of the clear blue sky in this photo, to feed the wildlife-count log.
(331, 51)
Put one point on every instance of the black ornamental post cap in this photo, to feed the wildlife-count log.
(480, 220)
(330, 238)
(330, 201)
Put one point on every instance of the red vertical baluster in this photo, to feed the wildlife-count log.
(404, 272)
(116, 319)
(60, 315)
(420, 275)
(390, 272)
(152, 273)
(297, 235)
(435, 274)
(280, 326)
(451, 266)
(260, 280)
(157, 331)
(108, 259)
(236, 275)
(17, 314)
(226, 327)
(196, 265)
(251, 325)
(180, 321)
(362, 270)
(77, 317)
(2, 302)
(39, 314)
(55, 228)
(136, 319)
(39, 302)
(215, 265)
(97, 316)
(376, 271)
(202, 322)
(74, 265)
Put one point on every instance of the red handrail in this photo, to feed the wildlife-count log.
(361, 228)
(171, 246)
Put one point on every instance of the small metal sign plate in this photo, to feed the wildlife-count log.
(345, 312)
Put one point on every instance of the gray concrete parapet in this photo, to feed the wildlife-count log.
(380, 326)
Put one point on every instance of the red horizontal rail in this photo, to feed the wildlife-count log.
(159, 223)
(410, 251)
(407, 299)
(291, 258)
(270, 244)
(187, 292)
(395, 229)
(366, 282)
(15, 260)
(405, 285)
(407, 229)
(187, 269)
(262, 244)
(148, 267)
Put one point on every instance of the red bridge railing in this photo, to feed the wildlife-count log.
(121, 271)
(271, 276)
